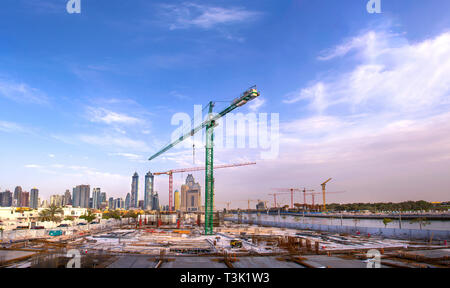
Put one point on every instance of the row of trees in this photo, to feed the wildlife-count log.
(53, 214)
(377, 207)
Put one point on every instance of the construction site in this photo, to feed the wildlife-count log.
(178, 241)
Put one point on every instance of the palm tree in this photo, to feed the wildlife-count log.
(50, 213)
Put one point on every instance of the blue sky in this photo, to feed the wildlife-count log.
(363, 98)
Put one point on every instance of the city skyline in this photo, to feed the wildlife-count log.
(366, 104)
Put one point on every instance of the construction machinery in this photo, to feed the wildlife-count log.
(323, 193)
(235, 243)
(209, 124)
(193, 169)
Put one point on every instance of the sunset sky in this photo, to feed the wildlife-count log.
(362, 98)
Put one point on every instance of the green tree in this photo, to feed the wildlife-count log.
(50, 214)
(69, 218)
(386, 221)
(89, 217)
(112, 214)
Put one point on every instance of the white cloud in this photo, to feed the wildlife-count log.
(102, 115)
(11, 127)
(256, 104)
(129, 156)
(190, 15)
(391, 75)
(21, 92)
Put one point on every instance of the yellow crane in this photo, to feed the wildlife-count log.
(324, 184)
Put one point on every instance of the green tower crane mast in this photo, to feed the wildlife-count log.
(209, 124)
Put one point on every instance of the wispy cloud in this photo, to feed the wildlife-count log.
(256, 104)
(129, 156)
(21, 92)
(11, 127)
(102, 115)
(391, 75)
(189, 15)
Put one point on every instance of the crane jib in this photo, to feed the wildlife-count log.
(248, 95)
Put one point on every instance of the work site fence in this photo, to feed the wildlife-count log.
(393, 233)
(19, 235)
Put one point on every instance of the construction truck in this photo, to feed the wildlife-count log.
(235, 243)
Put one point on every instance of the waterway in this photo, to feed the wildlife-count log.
(377, 223)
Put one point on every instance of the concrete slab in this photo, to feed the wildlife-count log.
(324, 261)
(9, 255)
(264, 262)
(133, 261)
(194, 262)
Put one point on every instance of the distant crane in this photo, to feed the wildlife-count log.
(290, 190)
(209, 124)
(324, 184)
(275, 197)
(318, 193)
(304, 196)
(193, 169)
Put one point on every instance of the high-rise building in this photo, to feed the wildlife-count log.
(96, 198)
(155, 202)
(134, 191)
(149, 192)
(25, 199)
(18, 196)
(141, 204)
(111, 203)
(34, 198)
(67, 198)
(6, 199)
(177, 200)
(190, 195)
(56, 200)
(103, 202)
(127, 201)
(81, 195)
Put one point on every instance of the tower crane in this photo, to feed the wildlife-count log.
(193, 169)
(290, 190)
(323, 193)
(318, 193)
(209, 124)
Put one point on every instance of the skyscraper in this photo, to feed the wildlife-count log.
(127, 201)
(67, 198)
(34, 198)
(177, 200)
(148, 194)
(7, 199)
(111, 203)
(96, 198)
(81, 195)
(155, 202)
(25, 199)
(134, 191)
(190, 195)
(18, 196)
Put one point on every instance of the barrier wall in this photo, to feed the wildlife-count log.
(17, 235)
(406, 234)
